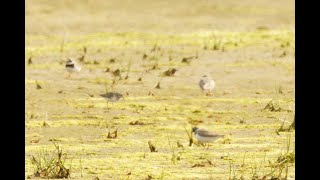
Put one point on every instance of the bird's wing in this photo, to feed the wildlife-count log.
(206, 133)
(117, 94)
(103, 95)
(109, 95)
(70, 65)
(201, 84)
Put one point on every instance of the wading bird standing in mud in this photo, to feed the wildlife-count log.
(207, 84)
(72, 67)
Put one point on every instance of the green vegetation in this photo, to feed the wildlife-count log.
(248, 48)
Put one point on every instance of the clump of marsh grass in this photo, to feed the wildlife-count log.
(137, 123)
(44, 124)
(217, 45)
(30, 60)
(283, 162)
(279, 89)
(142, 74)
(187, 60)
(232, 170)
(149, 177)
(38, 85)
(170, 72)
(112, 60)
(226, 141)
(96, 62)
(161, 175)
(285, 44)
(173, 156)
(152, 147)
(283, 54)
(49, 165)
(241, 120)
(81, 58)
(189, 133)
(158, 85)
(206, 163)
(278, 169)
(117, 73)
(112, 135)
(194, 121)
(274, 106)
(283, 129)
(155, 66)
(179, 144)
(262, 28)
(34, 141)
(84, 50)
(145, 56)
(292, 126)
(128, 69)
(155, 47)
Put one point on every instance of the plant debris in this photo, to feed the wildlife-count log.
(137, 123)
(274, 106)
(170, 72)
(152, 147)
(50, 167)
(158, 86)
(112, 135)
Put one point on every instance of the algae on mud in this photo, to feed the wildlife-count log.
(251, 58)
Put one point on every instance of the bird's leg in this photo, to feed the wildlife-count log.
(207, 93)
(208, 146)
(210, 93)
(205, 145)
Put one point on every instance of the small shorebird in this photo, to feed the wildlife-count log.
(71, 67)
(205, 136)
(112, 97)
(207, 84)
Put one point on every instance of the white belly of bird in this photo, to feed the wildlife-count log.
(113, 99)
(206, 139)
(209, 86)
(75, 69)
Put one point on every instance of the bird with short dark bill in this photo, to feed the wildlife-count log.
(112, 97)
(207, 84)
(72, 67)
(204, 136)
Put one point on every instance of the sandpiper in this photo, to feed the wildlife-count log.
(71, 67)
(112, 97)
(205, 136)
(207, 84)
